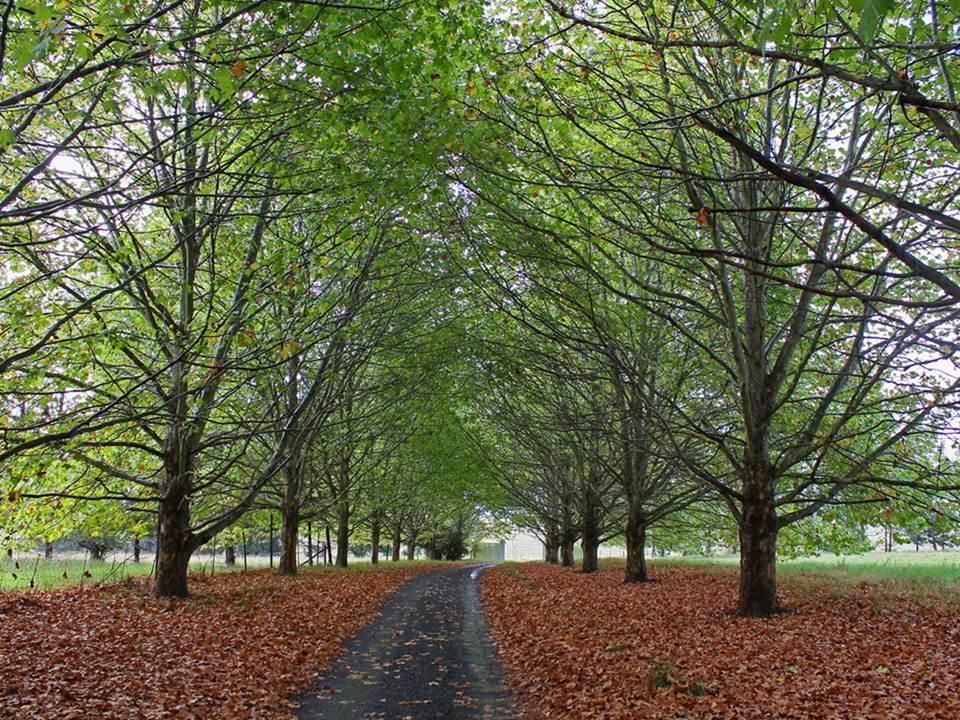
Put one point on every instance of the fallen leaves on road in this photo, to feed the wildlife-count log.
(236, 649)
(587, 646)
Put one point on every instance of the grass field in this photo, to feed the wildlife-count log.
(931, 577)
(18, 572)
(63, 571)
(874, 566)
(923, 570)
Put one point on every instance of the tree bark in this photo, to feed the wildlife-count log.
(271, 540)
(551, 553)
(590, 531)
(412, 546)
(636, 537)
(136, 550)
(590, 547)
(290, 517)
(289, 536)
(309, 543)
(551, 545)
(758, 554)
(375, 540)
(568, 529)
(48, 550)
(397, 542)
(343, 531)
(175, 543)
(328, 549)
(230, 555)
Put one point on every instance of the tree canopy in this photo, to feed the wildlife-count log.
(674, 273)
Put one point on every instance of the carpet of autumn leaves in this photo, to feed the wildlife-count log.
(587, 646)
(236, 649)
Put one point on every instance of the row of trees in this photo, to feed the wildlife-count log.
(727, 239)
(218, 272)
(603, 268)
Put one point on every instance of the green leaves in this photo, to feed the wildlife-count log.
(871, 14)
(7, 138)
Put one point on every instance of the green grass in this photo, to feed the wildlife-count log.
(58, 572)
(870, 567)
(48, 574)
(931, 577)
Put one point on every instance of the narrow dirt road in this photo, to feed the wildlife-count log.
(427, 656)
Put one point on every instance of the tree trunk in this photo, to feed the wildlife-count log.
(412, 546)
(136, 550)
(48, 550)
(590, 547)
(375, 539)
(758, 554)
(230, 555)
(328, 548)
(271, 540)
(636, 537)
(590, 530)
(289, 539)
(568, 528)
(175, 543)
(309, 543)
(397, 542)
(551, 553)
(551, 545)
(343, 532)
(290, 519)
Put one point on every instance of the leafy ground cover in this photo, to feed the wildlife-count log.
(236, 649)
(587, 646)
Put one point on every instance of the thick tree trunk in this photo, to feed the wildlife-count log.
(230, 555)
(412, 546)
(397, 542)
(551, 553)
(636, 537)
(174, 548)
(590, 531)
(290, 520)
(375, 540)
(48, 550)
(758, 554)
(136, 550)
(590, 547)
(343, 532)
(566, 552)
(289, 540)
(551, 545)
